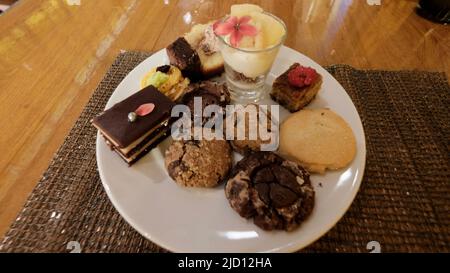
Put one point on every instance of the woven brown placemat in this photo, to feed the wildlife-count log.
(403, 202)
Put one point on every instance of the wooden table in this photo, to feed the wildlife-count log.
(53, 53)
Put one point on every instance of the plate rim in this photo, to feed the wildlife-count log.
(284, 249)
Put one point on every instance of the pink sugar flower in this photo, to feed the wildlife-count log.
(236, 28)
(145, 109)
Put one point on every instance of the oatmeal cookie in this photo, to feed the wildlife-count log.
(195, 163)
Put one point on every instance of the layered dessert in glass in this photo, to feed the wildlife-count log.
(249, 40)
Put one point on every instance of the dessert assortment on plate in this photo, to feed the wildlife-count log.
(271, 187)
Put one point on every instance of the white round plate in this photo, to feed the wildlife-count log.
(201, 220)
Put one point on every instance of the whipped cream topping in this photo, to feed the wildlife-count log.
(210, 43)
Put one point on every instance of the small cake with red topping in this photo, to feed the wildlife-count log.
(297, 87)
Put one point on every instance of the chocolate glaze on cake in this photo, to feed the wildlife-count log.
(276, 193)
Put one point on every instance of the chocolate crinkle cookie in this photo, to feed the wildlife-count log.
(196, 163)
(275, 192)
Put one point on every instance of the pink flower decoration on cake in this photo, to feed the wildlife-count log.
(236, 28)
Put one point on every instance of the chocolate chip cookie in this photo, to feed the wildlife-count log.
(275, 192)
(196, 163)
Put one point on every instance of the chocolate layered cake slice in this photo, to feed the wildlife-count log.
(297, 87)
(131, 134)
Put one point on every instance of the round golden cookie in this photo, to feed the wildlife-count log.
(318, 139)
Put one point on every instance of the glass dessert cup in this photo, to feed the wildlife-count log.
(246, 70)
